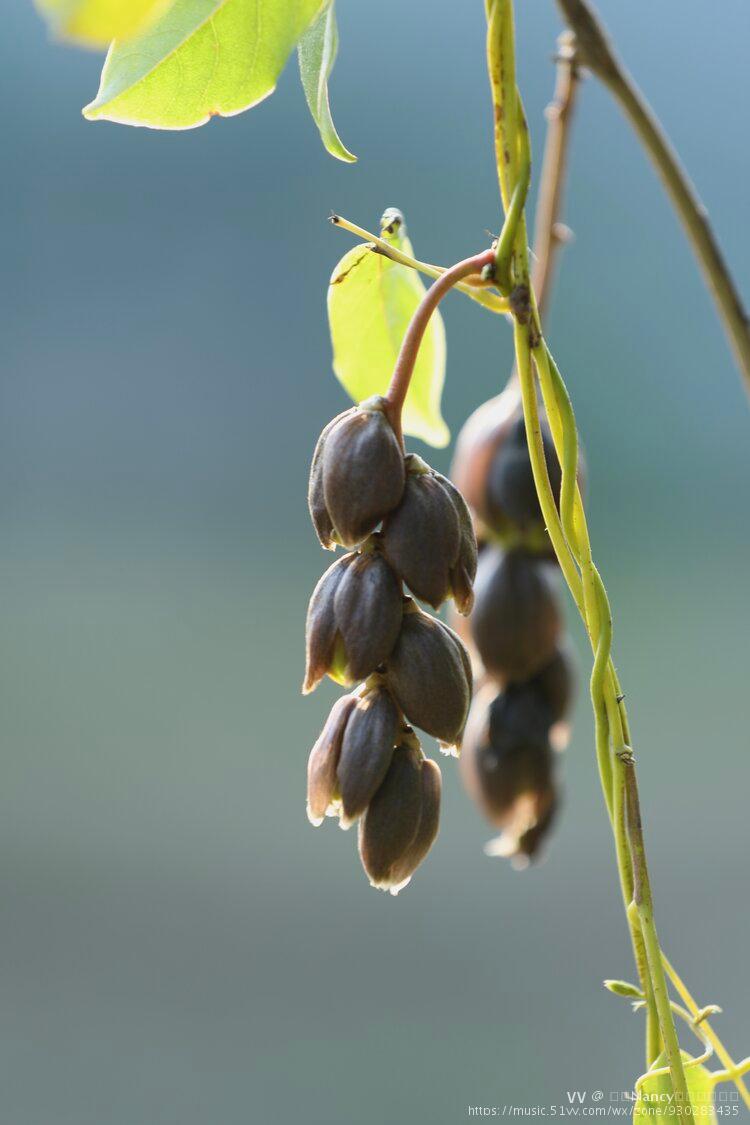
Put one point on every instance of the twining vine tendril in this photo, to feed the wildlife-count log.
(569, 534)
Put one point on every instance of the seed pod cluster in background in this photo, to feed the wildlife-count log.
(515, 633)
(404, 525)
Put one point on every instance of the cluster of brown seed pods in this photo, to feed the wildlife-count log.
(515, 632)
(402, 524)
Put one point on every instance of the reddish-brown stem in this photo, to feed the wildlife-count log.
(407, 356)
(548, 231)
(598, 54)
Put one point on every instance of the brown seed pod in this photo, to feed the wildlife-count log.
(511, 492)
(322, 785)
(519, 713)
(315, 493)
(321, 629)
(366, 751)
(507, 763)
(517, 620)
(492, 467)
(429, 676)
(555, 684)
(429, 824)
(357, 475)
(389, 827)
(530, 842)
(429, 539)
(353, 620)
(546, 698)
(464, 571)
(480, 437)
(368, 610)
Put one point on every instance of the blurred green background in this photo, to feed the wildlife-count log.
(177, 945)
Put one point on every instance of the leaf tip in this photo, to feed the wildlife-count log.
(440, 437)
(434, 432)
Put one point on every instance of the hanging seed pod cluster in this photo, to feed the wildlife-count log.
(515, 632)
(402, 524)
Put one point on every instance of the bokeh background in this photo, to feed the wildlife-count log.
(176, 944)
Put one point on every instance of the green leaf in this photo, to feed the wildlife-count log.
(201, 59)
(317, 53)
(370, 303)
(95, 23)
(655, 1101)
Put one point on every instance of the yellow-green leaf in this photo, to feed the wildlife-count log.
(317, 53)
(95, 23)
(370, 303)
(656, 1102)
(201, 59)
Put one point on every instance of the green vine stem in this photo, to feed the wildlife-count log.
(734, 1071)
(642, 908)
(550, 234)
(597, 53)
(733, 1074)
(571, 542)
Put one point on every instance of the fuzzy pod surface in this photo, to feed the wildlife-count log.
(429, 826)
(357, 475)
(322, 782)
(390, 825)
(429, 539)
(353, 619)
(367, 749)
(316, 502)
(429, 675)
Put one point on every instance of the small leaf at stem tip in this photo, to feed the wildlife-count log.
(370, 303)
(623, 988)
(200, 59)
(316, 52)
(95, 23)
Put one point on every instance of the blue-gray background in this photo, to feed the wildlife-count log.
(177, 945)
